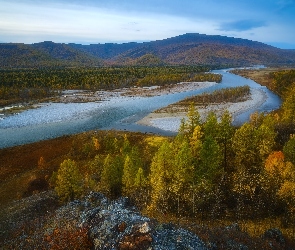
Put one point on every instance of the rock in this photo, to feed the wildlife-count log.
(122, 226)
(170, 237)
(140, 238)
(274, 234)
(118, 225)
(233, 227)
(144, 228)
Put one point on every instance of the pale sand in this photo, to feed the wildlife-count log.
(170, 121)
(167, 89)
(88, 96)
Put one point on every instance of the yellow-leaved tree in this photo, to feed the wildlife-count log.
(278, 181)
(68, 181)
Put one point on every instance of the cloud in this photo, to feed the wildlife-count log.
(102, 21)
(241, 25)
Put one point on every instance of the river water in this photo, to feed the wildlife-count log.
(52, 120)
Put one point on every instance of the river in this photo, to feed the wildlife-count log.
(52, 120)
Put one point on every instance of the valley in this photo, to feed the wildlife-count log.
(226, 171)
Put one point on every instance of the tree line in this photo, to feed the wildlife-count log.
(29, 84)
(237, 94)
(283, 83)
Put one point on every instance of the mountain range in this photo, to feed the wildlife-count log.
(187, 49)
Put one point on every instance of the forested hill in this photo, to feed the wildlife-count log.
(184, 49)
(45, 54)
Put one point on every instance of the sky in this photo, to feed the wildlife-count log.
(119, 21)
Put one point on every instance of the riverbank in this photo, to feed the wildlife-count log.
(73, 96)
(169, 119)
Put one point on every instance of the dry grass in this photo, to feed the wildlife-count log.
(224, 230)
(260, 76)
(19, 165)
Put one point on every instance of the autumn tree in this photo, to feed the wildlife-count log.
(160, 178)
(251, 146)
(182, 173)
(224, 138)
(193, 119)
(288, 106)
(141, 188)
(69, 181)
(129, 173)
(210, 126)
(41, 163)
(210, 160)
(279, 182)
(111, 176)
(289, 149)
(96, 143)
(195, 142)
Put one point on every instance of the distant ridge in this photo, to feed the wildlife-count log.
(190, 48)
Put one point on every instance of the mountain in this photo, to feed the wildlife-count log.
(211, 50)
(189, 48)
(45, 54)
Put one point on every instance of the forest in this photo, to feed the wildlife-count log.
(211, 169)
(25, 85)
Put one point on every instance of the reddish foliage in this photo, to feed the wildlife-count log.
(69, 239)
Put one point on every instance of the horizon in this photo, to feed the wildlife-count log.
(113, 21)
(138, 42)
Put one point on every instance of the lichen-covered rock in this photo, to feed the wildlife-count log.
(118, 225)
(167, 236)
(274, 234)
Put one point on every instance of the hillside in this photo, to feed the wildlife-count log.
(45, 54)
(184, 49)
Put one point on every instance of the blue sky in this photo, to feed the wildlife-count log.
(101, 21)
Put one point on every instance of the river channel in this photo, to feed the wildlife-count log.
(52, 120)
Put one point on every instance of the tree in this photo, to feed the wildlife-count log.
(288, 106)
(41, 163)
(141, 189)
(210, 160)
(272, 178)
(252, 145)
(193, 119)
(211, 125)
(69, 181)
(111, 177)
(129, 174)
(160, 178)
(96, 143)
(196, 142)
(182, 178)
(264, 140)
(140, 179)
(126, 148)
(226, 132)
(289, 149)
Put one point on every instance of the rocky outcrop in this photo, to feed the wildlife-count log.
(118, 225)
(95, 222)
